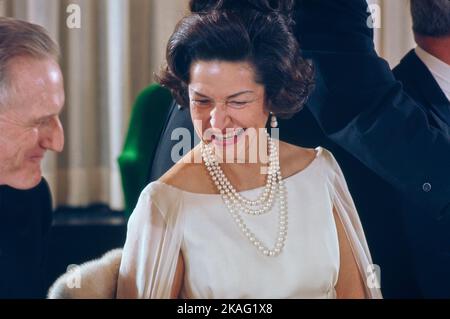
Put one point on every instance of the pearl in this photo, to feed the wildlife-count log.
(236, 203)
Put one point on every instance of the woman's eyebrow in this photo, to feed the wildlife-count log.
(239, 93)
(202, 95)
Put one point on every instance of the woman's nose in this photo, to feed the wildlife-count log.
(219, 117)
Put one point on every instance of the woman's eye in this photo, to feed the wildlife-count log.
(237, 104)
(201, 102)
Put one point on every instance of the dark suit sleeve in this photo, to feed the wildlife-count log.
(376, 121)
(361, 107)
(47, 219)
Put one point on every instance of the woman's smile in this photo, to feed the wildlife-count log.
(230, 138)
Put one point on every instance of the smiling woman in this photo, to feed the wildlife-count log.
(225, 101)
(263, 41)
(234, 77)
(226, 227)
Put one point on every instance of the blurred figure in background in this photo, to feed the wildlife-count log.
(31, 99)
(425, 70)
(400, 133)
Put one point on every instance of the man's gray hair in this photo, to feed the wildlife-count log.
(431, 17)
(22, 38)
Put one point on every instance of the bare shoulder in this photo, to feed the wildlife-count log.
(188, 174)
(294, 159)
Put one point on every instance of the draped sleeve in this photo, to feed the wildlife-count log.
(348, 215)
(152, 247)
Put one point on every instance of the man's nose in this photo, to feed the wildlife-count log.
(219, 117)
(52, 136)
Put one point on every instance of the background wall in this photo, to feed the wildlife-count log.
(394, 38)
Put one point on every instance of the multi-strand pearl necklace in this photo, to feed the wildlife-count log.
(238, 204)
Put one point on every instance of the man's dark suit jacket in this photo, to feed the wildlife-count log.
(421, 86)
(25, 220)
(392, 148)
(361, 107)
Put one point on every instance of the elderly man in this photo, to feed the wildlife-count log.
(31, 99)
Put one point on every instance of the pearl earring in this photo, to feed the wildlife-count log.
(273, 121)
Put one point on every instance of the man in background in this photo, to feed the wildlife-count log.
(397, 130)
(425, 70)
(31, 99)
(390, 145)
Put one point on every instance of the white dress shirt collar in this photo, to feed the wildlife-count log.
(439, 69)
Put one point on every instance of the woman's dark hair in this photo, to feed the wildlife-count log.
(284, 7)
(264, 40)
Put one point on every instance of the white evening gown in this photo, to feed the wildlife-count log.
(220, 262)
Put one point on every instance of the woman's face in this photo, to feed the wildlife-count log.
(227, 105)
